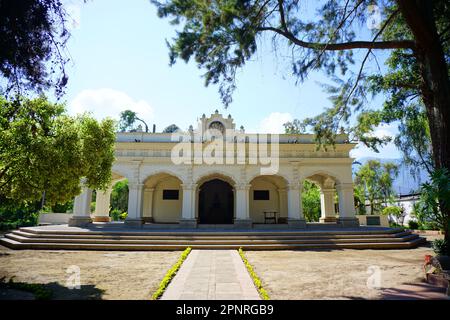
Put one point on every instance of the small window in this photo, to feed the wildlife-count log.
(260, 194)
(170, 194)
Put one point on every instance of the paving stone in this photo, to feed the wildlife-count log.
(213, 275)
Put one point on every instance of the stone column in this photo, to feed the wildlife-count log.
(148, 205)
(328, 214)
(242, 218)
(347, 211)
(188, 207)
(82, 208)
(295, 210)
(282, 196)
(135, 199)
(102, 202)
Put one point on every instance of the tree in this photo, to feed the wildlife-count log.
(396, 213)
(170, 129)
(45, 152)
(311, 201)
(119, 196)
(33, 45)
(222, 36)
(376, 181)
(389, 173)
(438, 189)
(127, 120)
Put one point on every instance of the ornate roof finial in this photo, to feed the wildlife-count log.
(217, 111)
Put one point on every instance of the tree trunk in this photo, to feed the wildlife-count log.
(436, 85)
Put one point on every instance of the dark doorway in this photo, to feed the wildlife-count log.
(216, 202)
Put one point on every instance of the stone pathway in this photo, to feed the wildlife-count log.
(212, 275)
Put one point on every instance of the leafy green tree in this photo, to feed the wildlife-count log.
(119, 197)
(360, 198)
(397, 213)
(222, 35)
(170, 129)
(438, 189)
(311, 201)
(389, 173)
(375, 180)
(33, 45)
(45, 152)
(127, 120)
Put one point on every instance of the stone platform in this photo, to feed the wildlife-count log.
(116, 236)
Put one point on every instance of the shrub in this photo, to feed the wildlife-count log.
(413, 225)
(115, 214)
(441, 247)
(39, 291)
(395, 212)
(123, 215)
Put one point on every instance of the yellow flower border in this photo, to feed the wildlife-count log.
(170, 274)
(256, 280)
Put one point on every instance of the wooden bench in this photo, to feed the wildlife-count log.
(270, 216)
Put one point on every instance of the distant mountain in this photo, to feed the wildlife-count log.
(405, 183)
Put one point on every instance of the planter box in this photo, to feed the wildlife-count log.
(54, 218)
(373, 220)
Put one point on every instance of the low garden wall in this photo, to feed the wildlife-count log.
(54, 218)
(373, 220)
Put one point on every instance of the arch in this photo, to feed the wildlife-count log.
(326, 181)
(162, 172)
(162, 198)
(275, 188)
(321, 173)
(216, 174)
(251, 177)
(215, 202)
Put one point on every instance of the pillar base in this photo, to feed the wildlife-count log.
(102, 219)
(79, 221)
(348, 222)
(328, 219)
(148, 219)
(134, 222)
(297, 223)
(243, 223)
(188, 223)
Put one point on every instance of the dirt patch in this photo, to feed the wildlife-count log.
(103, 274)
(336, 274)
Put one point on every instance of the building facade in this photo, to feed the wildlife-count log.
(217, 174)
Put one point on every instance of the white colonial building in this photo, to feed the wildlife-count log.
(217, 174)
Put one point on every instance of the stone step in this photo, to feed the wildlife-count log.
(217, 236)
(8, 242)
(198, 233)
(219, 240)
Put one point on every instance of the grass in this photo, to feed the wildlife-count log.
(256, 280)
(170, 274)
(39, 291)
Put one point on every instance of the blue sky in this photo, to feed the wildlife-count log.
(120, 61)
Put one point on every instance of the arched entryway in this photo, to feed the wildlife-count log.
(216, 202)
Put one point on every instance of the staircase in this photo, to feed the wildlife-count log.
(87, 239)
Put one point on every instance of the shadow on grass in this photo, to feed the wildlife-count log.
(12, 290)
(410, 291)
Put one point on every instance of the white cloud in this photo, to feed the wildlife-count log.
(274, 122)
(389, 151)
(107, 102)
